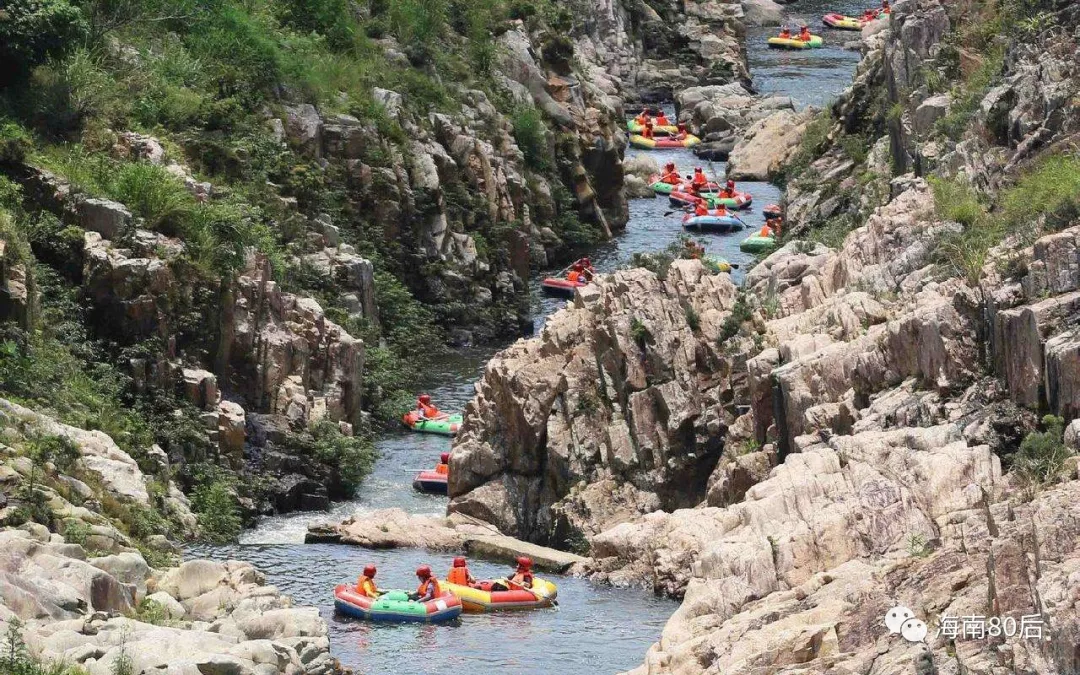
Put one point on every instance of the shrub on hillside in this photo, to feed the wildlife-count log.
(32, 31)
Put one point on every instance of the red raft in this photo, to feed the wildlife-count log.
(741, 200)
(395, 606)
(430, 481)
(563, 287)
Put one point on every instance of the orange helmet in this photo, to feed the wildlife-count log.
(425, 399)
(459, 562)
(369, 571)
(524, 562)
(424, 572)
(444, 458)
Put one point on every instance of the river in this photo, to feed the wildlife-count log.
(595, 629)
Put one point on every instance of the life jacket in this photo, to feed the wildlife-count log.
(574, 275)
(766, 231)
(722, 211)
(785, 34)
(647, 132)
(429, 411)
(522, 578)
(700, 179)
(642, 119)
(459, 576)
(442, 469)
(430, 582)
(804, 35)
(700, 210)
(662, 120)
(671, 178)
(727, 193)
(365, 586)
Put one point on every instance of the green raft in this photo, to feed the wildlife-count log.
(446, 426)
(758, 244)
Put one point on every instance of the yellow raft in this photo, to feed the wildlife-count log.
(661, 130)
(814, 42)
(663, 142)
(483, 599)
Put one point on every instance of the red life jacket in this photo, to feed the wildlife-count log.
(459, 576)
(430, 582)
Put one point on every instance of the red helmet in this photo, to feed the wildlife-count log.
(670, 166)
(369, 571)
(586, 261)
(459, 562)
(577, 267)
(524, 562)
(697, 169)
(444, 458)
(425, 399)
(423, 572)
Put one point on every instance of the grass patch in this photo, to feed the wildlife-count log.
(1042, 454)
(814, 142)
(967, 97)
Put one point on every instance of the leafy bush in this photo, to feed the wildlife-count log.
(332, 19)
(956, 201)
(640, 333)
(15, 142)
(32, 31)
(351, 457)
(813, 144)
(152, 193)
(739, 315)
(215, 506)
(692, 318)
(531, 136)
(1042, 454)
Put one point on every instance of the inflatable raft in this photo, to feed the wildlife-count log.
(395, 606)
(447, 425)
(563, 287)
(483, 599)
(661, 188)
(663, 130)
(717, 263)
(814, 42)
(431, 482)
(662, 143)
(772, 211)
(714, 223)
(758, 244)
(842, 22)
(741, 200)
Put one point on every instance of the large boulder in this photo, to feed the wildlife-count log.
(765, 149)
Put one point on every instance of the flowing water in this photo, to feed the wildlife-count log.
(595, 629)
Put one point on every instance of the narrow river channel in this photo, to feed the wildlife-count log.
(594, 629)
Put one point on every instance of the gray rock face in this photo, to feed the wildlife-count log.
(105, 217)
(585, 402)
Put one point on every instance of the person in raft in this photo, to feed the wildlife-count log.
(885, 6)
(523, 574)
(580, 273)
(443, 467)
(425, 410)
(785, 33)
(729, 190)
(365, 585)
(671, 174)
(682, 133)
(771, 228)
(647, 132)
(643, 118)
(804, 34)
(869, 15)
(662, 120)
(428, 588)
(700, 209)
(699, 181)
(459, 573)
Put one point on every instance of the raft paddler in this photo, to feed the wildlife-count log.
(804, 34)
(662, 120)
(523, 574)
(365, 585)
(671, 174)
(785, 33)
(425, 410)
(459, 573)
(428, 588)
(699, 181)
(647, 132)
(443, 467)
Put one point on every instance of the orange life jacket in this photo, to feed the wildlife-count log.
(647, 132)
(642, 119)
(573, 276)
(662, 120)
(671, 178)
(785, 34)
(430, 582)
(700, 179)
(766, 231)
(522, 579)
(459, 576)
(700, 210)
(429, 411)
(442, 469)
(804, 35)
(365, 586)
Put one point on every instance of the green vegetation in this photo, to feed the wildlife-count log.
(692, 318)
(740, 314)
(640, 333)
(1044, 199)
(966, 97)
(814, 142)
(16, 660)
(1042, 454)
(214, 503)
